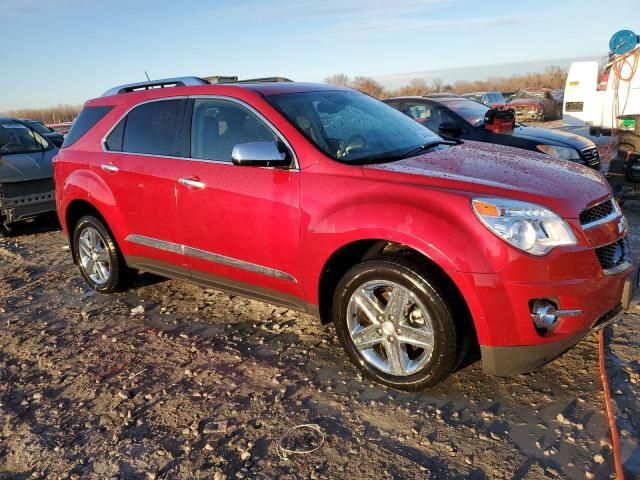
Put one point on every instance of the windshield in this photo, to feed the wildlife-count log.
(525, 95)
(472, 112)
(38, 127)
(352, 127)
(16, 138)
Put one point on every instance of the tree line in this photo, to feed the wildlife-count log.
(551, 77)
(58, 114)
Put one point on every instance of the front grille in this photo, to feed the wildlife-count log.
(597, 212)
(614, 254)
(591, 155)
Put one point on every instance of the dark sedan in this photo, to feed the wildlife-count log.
(456, 116)
(54, 137)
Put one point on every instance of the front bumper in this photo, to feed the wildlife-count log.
(512, 360)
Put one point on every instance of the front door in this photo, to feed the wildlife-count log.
(240, 224)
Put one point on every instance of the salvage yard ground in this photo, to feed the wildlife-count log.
(171, 380)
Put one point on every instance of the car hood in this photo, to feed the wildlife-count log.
(23, 167)
(524, 102)
(550, 136)
(475, 168)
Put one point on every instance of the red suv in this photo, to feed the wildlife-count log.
(323, 199)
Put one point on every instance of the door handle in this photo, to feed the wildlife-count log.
(107, 167)
(191, 183)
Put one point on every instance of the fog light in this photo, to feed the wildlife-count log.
(545, 314)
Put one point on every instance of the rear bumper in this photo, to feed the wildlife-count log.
(506, 361)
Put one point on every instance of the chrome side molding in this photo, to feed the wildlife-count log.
(208, 256)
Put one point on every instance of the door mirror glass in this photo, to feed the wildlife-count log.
(261, 154)
(450, 129)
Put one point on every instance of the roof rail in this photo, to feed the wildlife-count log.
(265, 80)
(166, 82)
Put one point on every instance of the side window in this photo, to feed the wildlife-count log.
(151, 128)
(114, 142)
(418, 111)
(395, 105)
(219, 125)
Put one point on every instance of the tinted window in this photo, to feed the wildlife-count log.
(219, 125)
(152, 128)
(88, 117)
(114, 142)
(17, 138)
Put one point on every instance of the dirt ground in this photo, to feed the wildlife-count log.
(200, 384)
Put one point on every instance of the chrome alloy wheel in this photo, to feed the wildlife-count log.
(94, 256)
(390, 327)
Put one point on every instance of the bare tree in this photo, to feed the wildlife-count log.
(369, 86)
(338, 79)
(437, 85)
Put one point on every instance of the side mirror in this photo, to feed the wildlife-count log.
(259, 154)
(450, 129)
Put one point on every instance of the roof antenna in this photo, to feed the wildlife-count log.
(148, 79)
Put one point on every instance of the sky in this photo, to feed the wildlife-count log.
(68, 51)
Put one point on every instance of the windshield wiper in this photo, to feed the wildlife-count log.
(424, 147)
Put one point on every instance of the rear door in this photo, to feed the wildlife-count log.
(140, 167)
(241, 224)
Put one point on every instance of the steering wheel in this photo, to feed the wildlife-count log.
(10, 146)
(355, 142)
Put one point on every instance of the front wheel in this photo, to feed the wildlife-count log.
(395, 325)
(101, 263)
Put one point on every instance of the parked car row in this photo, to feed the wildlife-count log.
(419, 247)
(537, 104)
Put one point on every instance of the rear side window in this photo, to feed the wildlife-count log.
(88, 117)
(151, 128)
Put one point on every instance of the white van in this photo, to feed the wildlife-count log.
(597, 97)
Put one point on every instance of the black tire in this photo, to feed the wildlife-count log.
(445, 356)
(121, 276)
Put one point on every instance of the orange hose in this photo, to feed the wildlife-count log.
(607, 400)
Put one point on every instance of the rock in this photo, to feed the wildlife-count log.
(37, 396)
(244, 456)
(208, 447)
(219, 476)
(139, 310)
(123, 395)
(599, 459)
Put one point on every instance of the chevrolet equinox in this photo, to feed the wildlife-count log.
(323, 199)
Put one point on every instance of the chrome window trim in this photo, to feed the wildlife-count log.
(208, 256)
(264, 119)
(103, 142)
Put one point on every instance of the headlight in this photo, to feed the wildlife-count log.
(527, 226)
(566, 153)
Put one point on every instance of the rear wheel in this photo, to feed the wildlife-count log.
(395, 324)
(100, 261)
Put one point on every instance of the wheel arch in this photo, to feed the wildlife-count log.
(349, 255)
